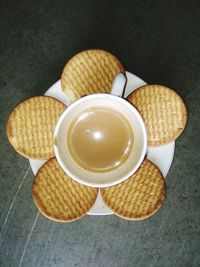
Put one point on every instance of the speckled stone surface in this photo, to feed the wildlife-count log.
(157, 40)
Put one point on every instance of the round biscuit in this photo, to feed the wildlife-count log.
(58, 197)
(88, 72)
(163, 110)
(140, 196)
(31, 124)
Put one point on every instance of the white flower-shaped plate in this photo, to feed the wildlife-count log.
(161, 156)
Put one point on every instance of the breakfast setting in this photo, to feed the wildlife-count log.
(100, 141)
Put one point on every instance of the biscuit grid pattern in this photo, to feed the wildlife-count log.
(91, 71)
(58, 197)
(138, 197)
(31, 124)
(163, 111)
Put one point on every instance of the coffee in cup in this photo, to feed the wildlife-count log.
(100, 139)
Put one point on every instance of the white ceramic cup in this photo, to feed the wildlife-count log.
(114, 100)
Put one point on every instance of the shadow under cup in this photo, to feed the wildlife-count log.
(108, 178)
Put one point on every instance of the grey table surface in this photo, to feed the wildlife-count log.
(157, 40)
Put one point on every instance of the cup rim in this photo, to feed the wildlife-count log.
(96, 184)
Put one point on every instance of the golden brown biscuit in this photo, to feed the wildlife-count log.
(31, 124)
(88, 72)
(163, 111)
(138, 197)
(58, 197)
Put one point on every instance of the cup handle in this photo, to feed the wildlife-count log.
(119, 85)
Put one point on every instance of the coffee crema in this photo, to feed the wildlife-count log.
(100, 139)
